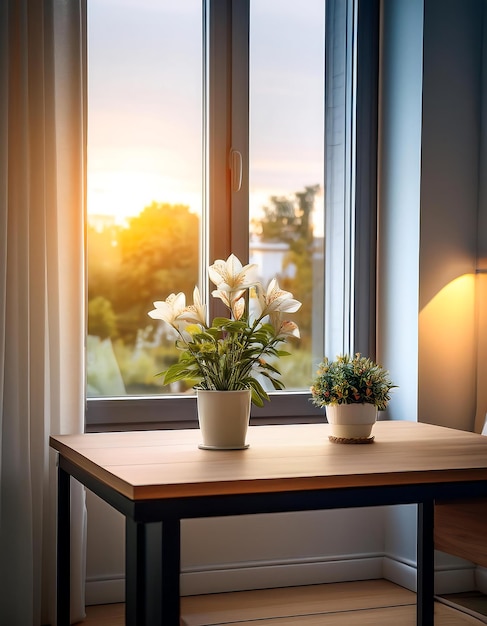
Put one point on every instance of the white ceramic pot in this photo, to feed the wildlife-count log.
(223, 418)
(351, 421)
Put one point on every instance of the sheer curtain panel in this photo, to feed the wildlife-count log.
(42, 168)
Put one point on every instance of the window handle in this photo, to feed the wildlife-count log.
(236, 169)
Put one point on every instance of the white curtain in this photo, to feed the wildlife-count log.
(42, 169)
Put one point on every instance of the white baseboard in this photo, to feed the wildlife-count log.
(262, 575)
(105, 590)
(399, 572)
(289, 573)
(447, 579)
(481, 577)
(252, 575)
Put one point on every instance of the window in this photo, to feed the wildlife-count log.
(207, 135)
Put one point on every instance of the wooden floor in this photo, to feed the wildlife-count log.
(365, 603)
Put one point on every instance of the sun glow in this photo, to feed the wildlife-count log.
(124, 194)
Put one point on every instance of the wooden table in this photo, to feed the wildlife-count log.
(157, 478)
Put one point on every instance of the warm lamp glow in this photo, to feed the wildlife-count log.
(448, 355)
(449, 304)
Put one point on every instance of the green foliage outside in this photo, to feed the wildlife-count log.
(289, 220)
(157, 253)
(102, 321)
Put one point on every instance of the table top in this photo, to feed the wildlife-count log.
(168, 463)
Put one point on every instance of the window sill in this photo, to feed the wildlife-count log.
(178, 412)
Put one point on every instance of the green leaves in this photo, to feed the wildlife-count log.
(183, 370)
(229, 355)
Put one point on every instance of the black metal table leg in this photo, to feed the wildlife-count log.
(152, 573)
(63, 547)
(171, 567)
(426, 564)
(135, 573)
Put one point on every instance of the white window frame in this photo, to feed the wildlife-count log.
(350, 240)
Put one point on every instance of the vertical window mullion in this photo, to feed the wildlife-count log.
(338, 157)
(239, 193)
(364, 285)
(351, 172)
(228, 126)
(218, 82)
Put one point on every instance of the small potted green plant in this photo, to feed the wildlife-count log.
(353, 390)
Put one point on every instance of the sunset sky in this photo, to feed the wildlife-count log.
(144, 107)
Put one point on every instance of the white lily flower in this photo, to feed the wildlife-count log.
(228, 297)
(194, 313)
(238, 308)
(231, 276)
(223, 295)
(289, 329)
(170, 309)
(276, 300)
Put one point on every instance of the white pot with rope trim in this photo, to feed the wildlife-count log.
(351, 423)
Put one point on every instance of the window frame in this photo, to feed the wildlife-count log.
(226, 113)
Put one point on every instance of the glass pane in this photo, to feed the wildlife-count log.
(144, 183)
(287, 165)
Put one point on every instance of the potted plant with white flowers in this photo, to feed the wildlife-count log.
(228, 359)
(353, 390)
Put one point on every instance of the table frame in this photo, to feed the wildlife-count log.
(153, 534)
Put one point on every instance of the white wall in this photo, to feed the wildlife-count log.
(449, 208)
(429, 186)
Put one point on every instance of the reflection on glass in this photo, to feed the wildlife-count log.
(287, 163)
(144, 183)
